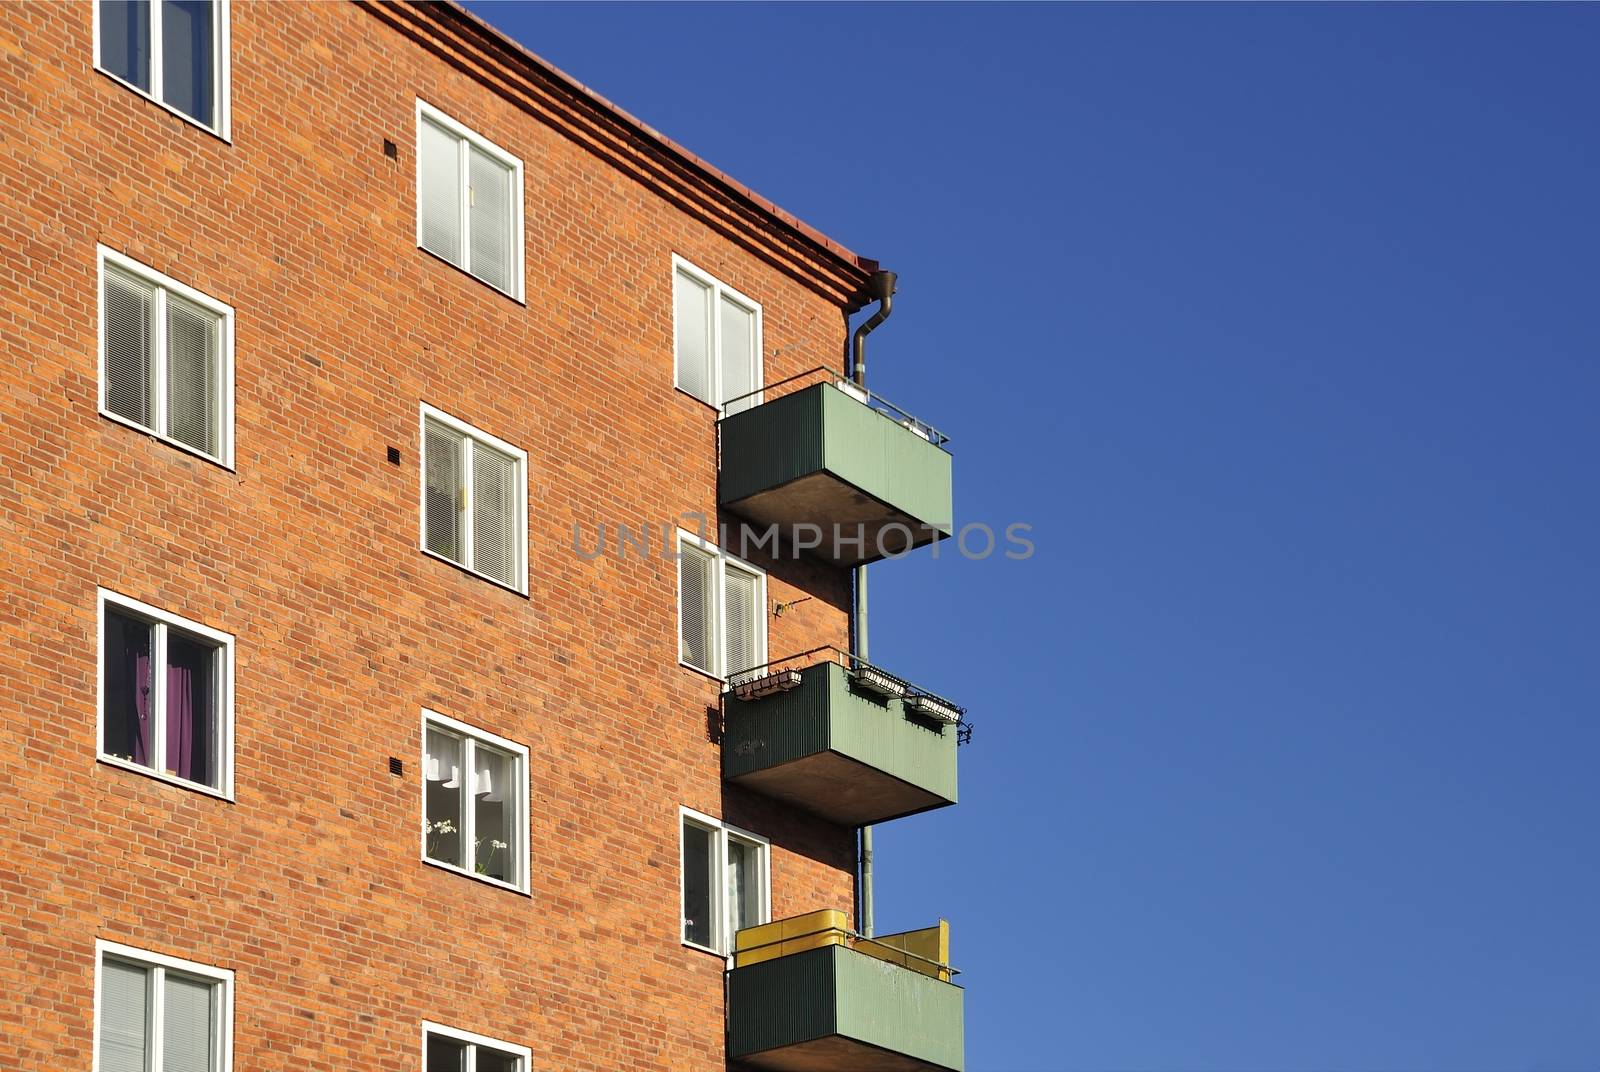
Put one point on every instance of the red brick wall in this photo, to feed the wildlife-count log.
(310, 886)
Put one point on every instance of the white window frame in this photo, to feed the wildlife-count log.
(159, 964)
(429, 413)
(726, 560)
(722, 937)
(428, 113)
(165, 620)
(455, 1034)
(469, 734)
(222, 89)
(719, 290)
(164, 285)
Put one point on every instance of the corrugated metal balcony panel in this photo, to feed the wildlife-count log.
(823, 458)
(835, 1008)
(838, 752)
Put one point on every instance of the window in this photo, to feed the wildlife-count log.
(717, 340)
(474, 802)
(722, 625)
(726, 882)
(474, 500)
(447, 1050)
(166, 695)
(173, 51)
(154, 1012)
(166, 358)
(469, 201)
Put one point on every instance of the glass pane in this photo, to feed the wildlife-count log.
(495, 800)
(442, 502)
(124, 1016)
(445, 1055)
(497, 1061)
(740, 620)
(739, 356)
(495, 501)
(489, 201)
(187, 1031)
(442, 797)
(188, 57)
(697, 885)
(194, 376)
(744, 884)
(439, 192)
(125, 40)
(696, 608)
(692, 324)
(127, 345)
(126, 659)
(192, 735)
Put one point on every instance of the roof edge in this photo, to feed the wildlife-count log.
(533, 84)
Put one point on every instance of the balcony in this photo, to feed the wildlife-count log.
(807, 994)
(830, 459)
(840, 738)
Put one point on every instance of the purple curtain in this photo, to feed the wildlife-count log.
(141, 706)
(180, 721)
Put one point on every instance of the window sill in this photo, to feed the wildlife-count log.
(475, 278)
(163, 776)
(221, 135)
(144, 430)
(470, 572)
(726, 958)
(485, 879)
(707, 674)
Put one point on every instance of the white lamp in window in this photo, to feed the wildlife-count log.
(488, 780)
(444, 760)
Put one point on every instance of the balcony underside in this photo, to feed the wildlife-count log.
(835, 1054)
(854, 526)
(841, 790)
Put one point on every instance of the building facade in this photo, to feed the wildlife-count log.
(383, 688)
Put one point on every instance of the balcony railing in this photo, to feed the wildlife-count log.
(840, 737)
(875, 402)
(926, 951)
(807, 993)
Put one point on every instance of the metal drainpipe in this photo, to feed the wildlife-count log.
(881, 288)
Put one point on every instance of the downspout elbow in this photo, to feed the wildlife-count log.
(880, 288)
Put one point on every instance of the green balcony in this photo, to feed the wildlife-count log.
(807, 995)
(842, 474)
(840, 738)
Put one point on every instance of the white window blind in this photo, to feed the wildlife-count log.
(697, 593)
(717, 340)
(721, 610)
(440, 194)
(469, 201)
(161, 1014)
(194, 401)
(189, 1024)
(474, 500)
(740, 357)
(741, 617)
(124, 1016)
(165, 358)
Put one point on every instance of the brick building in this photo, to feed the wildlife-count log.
(385, 689)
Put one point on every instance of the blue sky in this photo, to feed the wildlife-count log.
(1279, 326)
